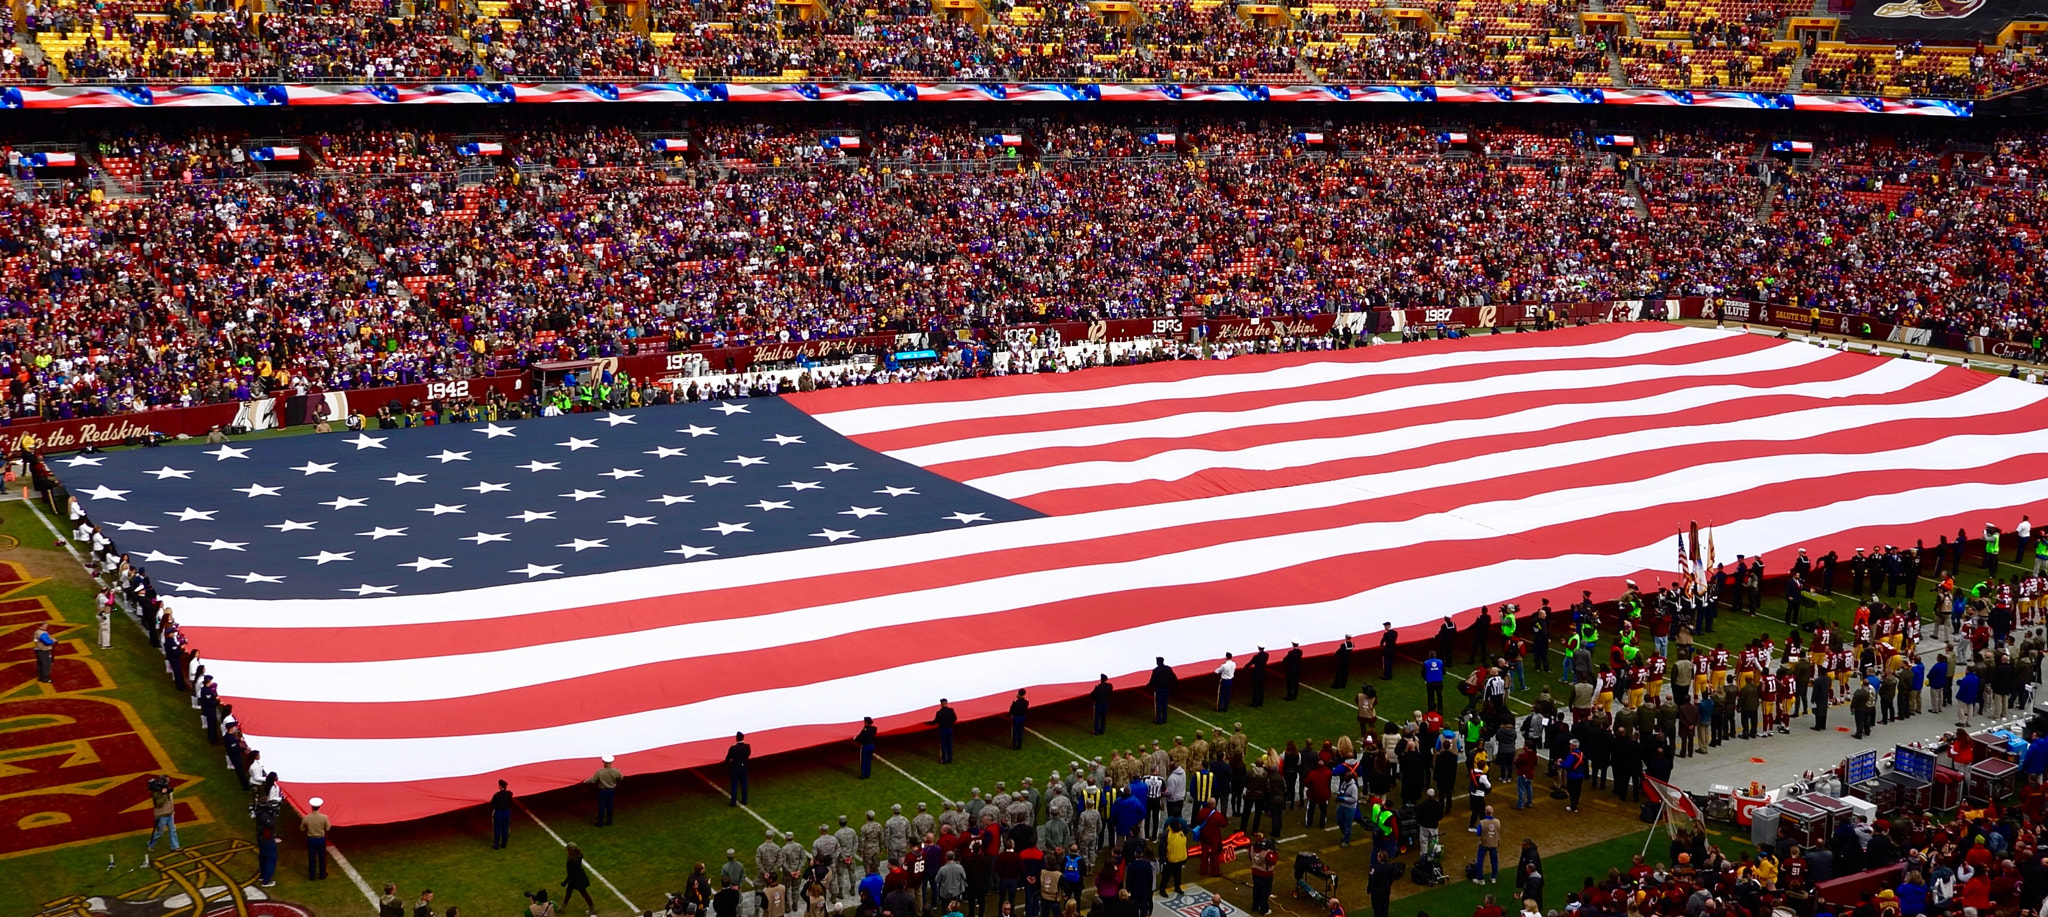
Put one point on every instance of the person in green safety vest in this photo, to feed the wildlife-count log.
(1507, 623)
(1589, 634)
(1382, 821)
(1990, 547)
(1629, 652)
(2040, 555)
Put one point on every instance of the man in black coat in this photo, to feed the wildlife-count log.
(1389, 638)
(1481, 626)
(736, 759)
(1342, 660)
(1446, 636)
(1290, 669)
(1099, 696)
(1161, 686)
(1380, 884)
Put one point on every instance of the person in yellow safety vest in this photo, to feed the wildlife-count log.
(1507, 623)
(2040, 555)
(1589, 634)
(1382, 821)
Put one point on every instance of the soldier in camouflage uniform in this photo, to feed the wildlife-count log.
(1198, 752)
(896, 833)
(973, 807)
(795, 859)
(952, 817)
(870, 843)
(768, 856)
(922, 823)
(846, 869)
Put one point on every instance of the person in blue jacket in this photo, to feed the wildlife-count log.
(2035, 761)
(1433, 681)
(1129, 811)
(1969, 693)
(1939, 684)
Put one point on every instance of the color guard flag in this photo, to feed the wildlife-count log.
(403, 617)
(672, 145)
(1159, 139)
(1311, 138)
(275, 154)
(1456, 138)
(842, 143)
(53, 160)
(481, 149)
(1006, 140)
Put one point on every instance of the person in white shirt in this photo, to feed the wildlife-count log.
(1224, 674)
(2023, 543)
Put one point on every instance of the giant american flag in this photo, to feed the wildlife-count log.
(402, 617)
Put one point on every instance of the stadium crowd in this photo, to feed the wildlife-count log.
(175, 268)
(1718, 44)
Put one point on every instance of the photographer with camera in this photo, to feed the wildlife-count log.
(164, 804)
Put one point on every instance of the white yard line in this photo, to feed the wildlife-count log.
(727, 793)
(630, 906)
(350, 871)
(907, 775)
(1077, 756)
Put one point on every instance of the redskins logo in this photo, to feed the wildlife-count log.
(1929, 9)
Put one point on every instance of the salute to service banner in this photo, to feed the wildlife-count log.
(402, 618)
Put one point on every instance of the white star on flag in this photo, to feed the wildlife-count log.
(580, 495)
(188, 514)
(782, 440)
(450, 455)
(898, 491)
(746, 461)
(533, 516)
(620, 474)
(712, 480)
(802, 485)
(728, 408)
(313, 468)
(442, 509)
(538, 465)
(367, 589)
(77, 460)
(766, 505)
(493, 431)
(423, 564)
(159, 557)
(258, 490)
(631, 521)
(486, 487)
(671, 500)
(965, 518)
(696, 431)
(327, 557)
(290, 526)
(167, 472)
(862, 512)
(401, 479)
(613, 420)
(103, 492)
(194, 587)
(728, 528)
(251, 579)
(226, 452)
(221, 545)
(533, 570)
(486, 537)
(134, 527)
(580, 545)
(380, 533)
(688, 551)
(365, 441)
(576, 444)
(834, 534)
(835, 466)
(346, 502)
(665, 452)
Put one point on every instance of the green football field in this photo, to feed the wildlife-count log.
(667, 822)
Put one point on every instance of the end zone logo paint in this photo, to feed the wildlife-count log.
(75, 766)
